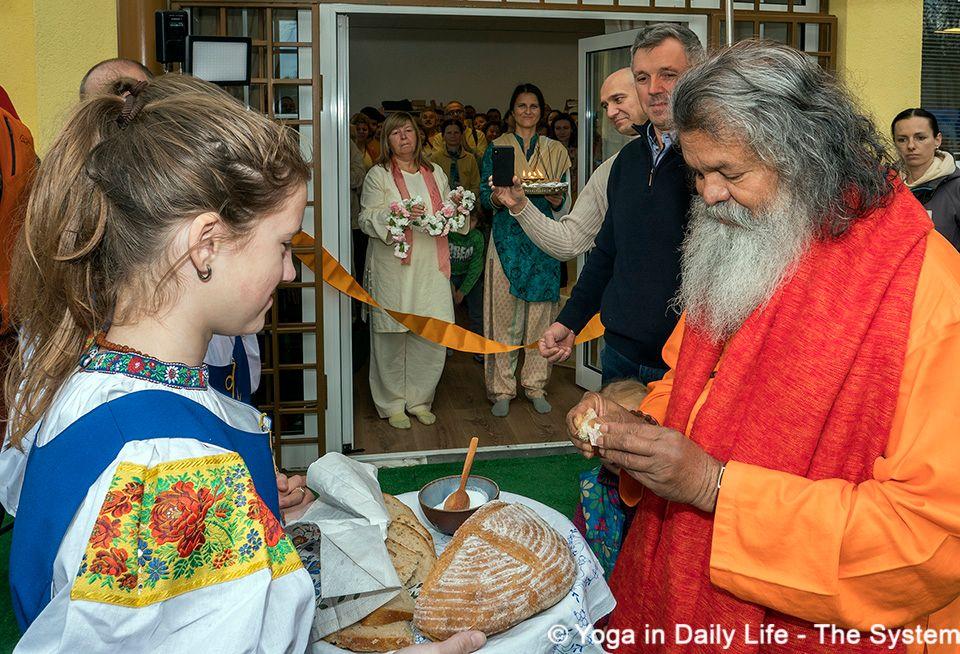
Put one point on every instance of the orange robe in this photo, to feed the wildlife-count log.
(886, 551)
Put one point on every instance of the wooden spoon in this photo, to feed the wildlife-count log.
(459, 500)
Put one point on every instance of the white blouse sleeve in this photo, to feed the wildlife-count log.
(173, 549)
(375, 203)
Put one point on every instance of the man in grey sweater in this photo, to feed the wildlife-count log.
(573, 234)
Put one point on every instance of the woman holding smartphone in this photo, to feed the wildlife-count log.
(522, 282)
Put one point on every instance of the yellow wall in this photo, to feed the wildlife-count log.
(56, 41)
(18, 72)
(49, 45)
(879, 43)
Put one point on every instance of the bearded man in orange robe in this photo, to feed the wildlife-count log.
(802, 480)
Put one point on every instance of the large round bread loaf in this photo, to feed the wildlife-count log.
(502, 566)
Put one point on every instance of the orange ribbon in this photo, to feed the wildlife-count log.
(432, 329)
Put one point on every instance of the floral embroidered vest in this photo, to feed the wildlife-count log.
(60, 473)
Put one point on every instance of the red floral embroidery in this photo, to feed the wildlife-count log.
(117, 504)
(120, 502)
(135, 364)
(150, 541)
(128, 581)
(111, 563)
(134, 491)
(225, 558)
(256, 509)
(272, 529)
(104, 531)
(178, 516)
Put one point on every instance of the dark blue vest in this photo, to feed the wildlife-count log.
(233, 379)
(59, 475)
(634, 271)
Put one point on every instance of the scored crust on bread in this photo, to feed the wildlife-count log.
(503, 565)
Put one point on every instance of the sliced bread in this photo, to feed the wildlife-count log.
(380, 638)
(396, 610)
(400, 512)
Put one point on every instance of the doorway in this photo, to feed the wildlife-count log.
(422, 55)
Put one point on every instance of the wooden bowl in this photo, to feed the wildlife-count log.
(437, 491)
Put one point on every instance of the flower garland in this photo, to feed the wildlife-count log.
(451, 217)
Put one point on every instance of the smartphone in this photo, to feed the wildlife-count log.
(503, 165)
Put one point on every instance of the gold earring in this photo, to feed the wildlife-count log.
(205, 276)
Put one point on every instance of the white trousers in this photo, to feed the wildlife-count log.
(404, 371)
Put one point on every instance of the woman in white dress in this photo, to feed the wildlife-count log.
(148, 512)
(404, 368)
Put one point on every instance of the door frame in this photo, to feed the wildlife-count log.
(335, 198)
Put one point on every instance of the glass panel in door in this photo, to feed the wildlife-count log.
(600, 56)
(602, 141)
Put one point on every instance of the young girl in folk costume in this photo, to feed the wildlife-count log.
(147, 504)
(522, 282)
(404, 368)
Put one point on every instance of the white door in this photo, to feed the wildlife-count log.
(334, 193)
(335, 203)
(600, 56)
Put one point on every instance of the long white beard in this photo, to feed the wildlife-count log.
(729, 270)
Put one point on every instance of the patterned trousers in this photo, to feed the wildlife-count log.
(508, 319)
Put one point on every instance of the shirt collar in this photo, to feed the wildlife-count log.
(533, 143)
(140, 366)
(656, 149)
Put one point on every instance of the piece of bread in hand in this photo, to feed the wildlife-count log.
(588, 426)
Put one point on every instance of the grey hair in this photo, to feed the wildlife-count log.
(653, 35)
(798, 119)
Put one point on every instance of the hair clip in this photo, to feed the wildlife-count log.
(132, 104)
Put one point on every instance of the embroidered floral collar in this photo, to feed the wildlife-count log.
(141, 366)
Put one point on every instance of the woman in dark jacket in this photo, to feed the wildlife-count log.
(930, 173)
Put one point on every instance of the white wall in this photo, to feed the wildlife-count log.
(476, 66)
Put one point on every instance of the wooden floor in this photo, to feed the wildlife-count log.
(463, 411)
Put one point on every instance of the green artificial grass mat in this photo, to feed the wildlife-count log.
(552, 480)
(9, 631)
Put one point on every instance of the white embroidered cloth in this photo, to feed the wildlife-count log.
(588, 600)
